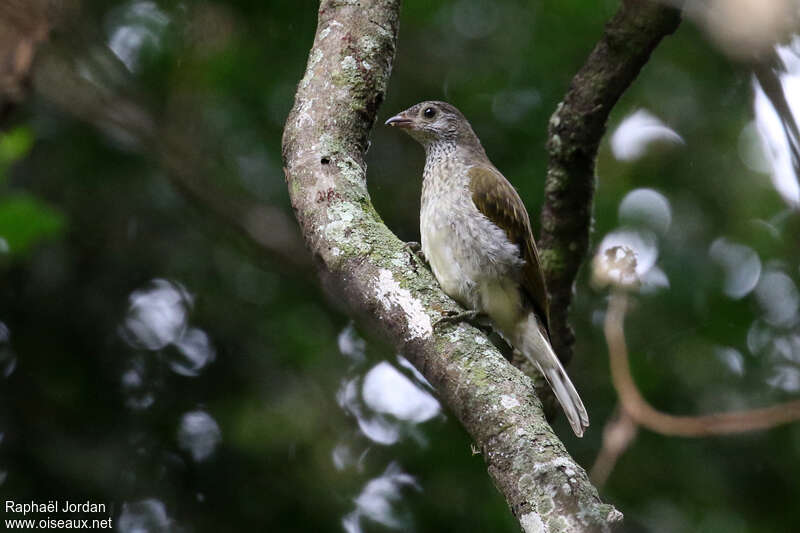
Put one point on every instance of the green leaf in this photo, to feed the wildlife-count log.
(14, 145)
(25, 221)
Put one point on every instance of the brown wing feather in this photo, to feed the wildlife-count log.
(497, 199)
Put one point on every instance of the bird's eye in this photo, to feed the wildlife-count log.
(429, 112)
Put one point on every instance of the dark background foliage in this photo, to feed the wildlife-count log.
(151, 358)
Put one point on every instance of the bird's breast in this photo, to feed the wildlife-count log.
(469, 255)
(467, 267)
(446, 250)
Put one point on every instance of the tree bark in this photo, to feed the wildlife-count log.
(362, 262)
(23, 25)
(575, 131)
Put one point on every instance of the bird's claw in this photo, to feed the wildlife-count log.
(415, 250)
(472, 317)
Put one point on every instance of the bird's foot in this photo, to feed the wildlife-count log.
(474, 318)
(415, 250)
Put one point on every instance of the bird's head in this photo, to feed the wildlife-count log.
(432, 122)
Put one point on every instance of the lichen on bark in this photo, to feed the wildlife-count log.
(575, 130)
(366, 266)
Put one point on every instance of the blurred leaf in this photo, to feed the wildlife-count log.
(14, 145)
(24, 221)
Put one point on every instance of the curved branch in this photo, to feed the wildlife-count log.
(644, 414)
(574, 134)
(618, 434)
(366, 265)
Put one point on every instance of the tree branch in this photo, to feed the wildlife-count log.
(23, 25)
(636, 407)
(618, 434)
(574, 134)
(366, 265)
(617, 267)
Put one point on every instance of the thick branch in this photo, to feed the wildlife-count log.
(23, 25)
(574, 135)
(365, 264)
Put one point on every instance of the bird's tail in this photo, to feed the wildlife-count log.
(533, 344)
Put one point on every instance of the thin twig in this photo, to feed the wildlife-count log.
(618, 434)
(634, 404)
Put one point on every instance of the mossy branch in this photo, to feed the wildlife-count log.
(575, 131)
(364, 264)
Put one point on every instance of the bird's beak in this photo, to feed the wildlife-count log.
(400, 120)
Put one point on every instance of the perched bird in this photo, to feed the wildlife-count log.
(476, 235)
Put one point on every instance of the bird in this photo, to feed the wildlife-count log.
(476, 235)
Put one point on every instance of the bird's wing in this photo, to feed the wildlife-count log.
(497, 199)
